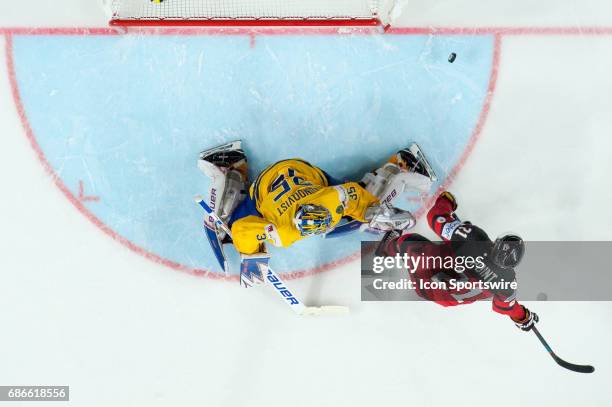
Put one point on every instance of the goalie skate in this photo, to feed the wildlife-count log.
(225, 157)
(412, 159)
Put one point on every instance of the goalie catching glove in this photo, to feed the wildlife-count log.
(385, 217)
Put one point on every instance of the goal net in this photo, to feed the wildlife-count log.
(244, 12)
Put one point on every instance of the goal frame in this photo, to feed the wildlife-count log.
(256, 22)
(251, 21)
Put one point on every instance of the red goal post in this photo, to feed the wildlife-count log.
(126, 13)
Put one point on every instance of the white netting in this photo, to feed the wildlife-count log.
(244, 9)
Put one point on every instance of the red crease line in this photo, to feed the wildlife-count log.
(203, 272)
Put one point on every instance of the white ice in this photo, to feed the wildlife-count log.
(78, 309)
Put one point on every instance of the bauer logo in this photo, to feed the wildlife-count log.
(391, 196)
(141, 167)
(212, 204)
(280, 287)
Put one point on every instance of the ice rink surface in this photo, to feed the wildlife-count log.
(96, 302)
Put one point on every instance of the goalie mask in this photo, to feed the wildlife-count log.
(312, 220)
(508, 251)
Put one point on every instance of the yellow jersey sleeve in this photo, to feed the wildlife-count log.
(355, 200)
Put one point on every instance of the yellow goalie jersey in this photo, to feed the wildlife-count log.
(284, 187)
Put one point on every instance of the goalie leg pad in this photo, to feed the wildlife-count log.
(217, 246)
(377, 182)
(234, 194)
(226, 166)
(225, 194)
(389, 182)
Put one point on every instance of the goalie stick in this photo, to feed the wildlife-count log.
(275, 280)
(561, 362)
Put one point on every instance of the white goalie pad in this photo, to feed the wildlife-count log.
(389, 182)
(227, 189)
(225, 194)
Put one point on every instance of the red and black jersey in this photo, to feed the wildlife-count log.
(465, 239)
(415, 245)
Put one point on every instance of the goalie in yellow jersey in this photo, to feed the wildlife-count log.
(293, 199)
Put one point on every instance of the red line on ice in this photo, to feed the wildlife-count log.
(66, 191)
(504, 31)
(86, 198)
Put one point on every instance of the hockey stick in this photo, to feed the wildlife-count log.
(277, 283)
(561, 362)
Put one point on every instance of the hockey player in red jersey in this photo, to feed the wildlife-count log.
(465, 239)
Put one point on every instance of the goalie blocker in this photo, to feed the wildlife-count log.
(261, 264)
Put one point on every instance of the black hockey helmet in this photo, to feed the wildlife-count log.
(508, 251)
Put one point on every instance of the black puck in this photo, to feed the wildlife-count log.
(451, 57)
